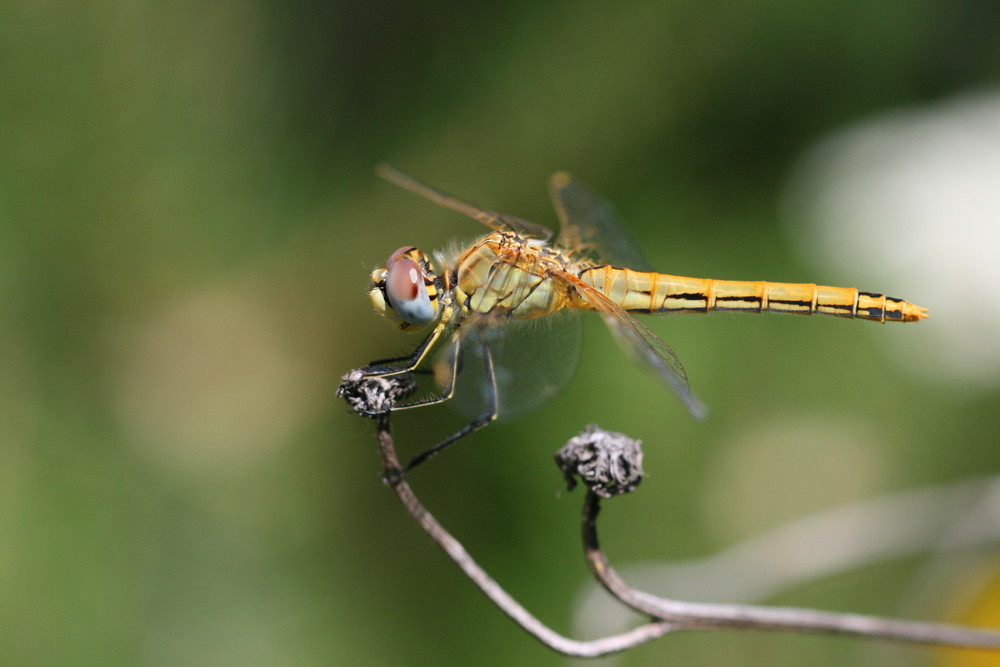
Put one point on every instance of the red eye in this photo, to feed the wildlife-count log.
(403, 279)
(405, 289)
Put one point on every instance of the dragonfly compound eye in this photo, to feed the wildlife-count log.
(406, 291)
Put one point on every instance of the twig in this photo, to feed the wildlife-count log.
(750, 617)
(744, 617)
(935, 519)
(571, 647)
(611, 464)
(374, 397)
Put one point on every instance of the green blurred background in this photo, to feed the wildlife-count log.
(188, 216)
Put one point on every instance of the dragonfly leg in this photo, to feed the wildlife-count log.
(448, 389)
(408, 363)
(482, 420)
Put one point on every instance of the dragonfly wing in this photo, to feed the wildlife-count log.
(589, 227)
(644, 346)
(533, 360)
(492, 219)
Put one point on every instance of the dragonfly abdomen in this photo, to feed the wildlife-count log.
(638, 291)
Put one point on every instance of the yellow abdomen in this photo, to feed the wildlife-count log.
(637, 291)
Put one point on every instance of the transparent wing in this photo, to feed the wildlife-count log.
(645, 347)
(589, 227)
(533, 360)
(492, 219)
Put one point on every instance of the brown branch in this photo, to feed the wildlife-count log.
(373, 397)
(743, 617)
(582, 649)
(751, 617)
(611, 464)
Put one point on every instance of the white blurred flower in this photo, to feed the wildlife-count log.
(909, 203)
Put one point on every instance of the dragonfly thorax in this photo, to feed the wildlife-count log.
(505, 275)
(405, 290)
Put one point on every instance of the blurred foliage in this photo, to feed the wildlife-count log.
(187, 220)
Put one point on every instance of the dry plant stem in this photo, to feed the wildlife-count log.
(373, 397)
(582, 649)
(748, 617)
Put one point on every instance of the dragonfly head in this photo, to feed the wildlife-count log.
(405, 289)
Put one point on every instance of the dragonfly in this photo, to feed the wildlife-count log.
(483, 298)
